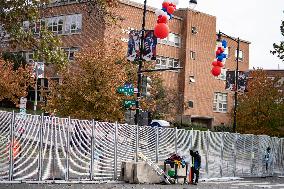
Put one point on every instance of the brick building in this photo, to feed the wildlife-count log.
(191, 45)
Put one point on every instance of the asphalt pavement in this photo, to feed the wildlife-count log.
(257, 183)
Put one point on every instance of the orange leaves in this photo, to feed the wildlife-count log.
(14, 83)
(261, 109)
(89, 85)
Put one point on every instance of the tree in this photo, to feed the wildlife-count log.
(88, 88)
(19, 36)
(261, 109)
(279, 48)
(89, 85)
(14, 83)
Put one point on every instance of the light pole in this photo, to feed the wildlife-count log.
(236, 76)
(192, 5)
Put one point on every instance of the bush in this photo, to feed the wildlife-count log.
(223, 128)
(189, 126)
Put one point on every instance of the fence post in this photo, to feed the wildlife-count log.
(157, 144)
(235, 154)
(207, 152)
(191, 143)
(222, 155)
(68, 149)
(176, 138)
(40, 148)
(92, 150)
(11, 166)
(137, 143)
(115, 151)
(252, 156)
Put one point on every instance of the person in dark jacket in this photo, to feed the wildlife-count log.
(196, 163)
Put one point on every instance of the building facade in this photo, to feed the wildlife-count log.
(191, 44)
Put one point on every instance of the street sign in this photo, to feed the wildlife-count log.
(129, 103)
(127, 89)
(23, 102)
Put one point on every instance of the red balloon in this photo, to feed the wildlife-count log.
(216, 70)
(218, 52)
(220, 64)
(214, 63)
(162, 19)
(161, 30)
(165, 5)
(170, 9)
(221, 49)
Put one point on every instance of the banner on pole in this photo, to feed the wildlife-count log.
(242, 81)
(150, 44)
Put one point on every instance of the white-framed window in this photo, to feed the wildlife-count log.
(35, 27)
(163, 63)
(27, 55)
(241, 55)
(222, 75)
(166, 62)
(172, 40)
(192, 55)
(55, 24)
(73, 23)
(220, 103)
(70, 52)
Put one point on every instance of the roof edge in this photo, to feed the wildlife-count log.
(141, 6)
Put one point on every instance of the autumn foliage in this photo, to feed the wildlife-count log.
(261, 109)
(14, 83)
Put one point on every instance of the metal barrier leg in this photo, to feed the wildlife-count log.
(40, 148)
(11, 166)
(157, 144)
(115, 151)
(68, 149)
(92, 151)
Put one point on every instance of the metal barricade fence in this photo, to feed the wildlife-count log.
(42, 148)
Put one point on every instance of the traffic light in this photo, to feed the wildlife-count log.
(146, 81)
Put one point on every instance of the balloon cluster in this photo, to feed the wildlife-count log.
(161, 29)
(221, 55)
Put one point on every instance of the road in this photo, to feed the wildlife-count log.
(255, 183)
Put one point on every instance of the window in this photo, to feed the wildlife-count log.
(172, 40)
(165, 62)
(191, 79)
(193, 30)
(220, 102)
(222, 76)
(190, 104)
(192, 55)
(240, 55)
(227, 51)
(35, 27)
(73, 23)
(55, 24)
(70, 52)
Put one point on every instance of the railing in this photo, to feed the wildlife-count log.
(51, 148)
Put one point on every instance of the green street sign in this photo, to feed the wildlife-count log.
(126, 91)
(129, 103)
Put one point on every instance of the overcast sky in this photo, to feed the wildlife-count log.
(257, 21)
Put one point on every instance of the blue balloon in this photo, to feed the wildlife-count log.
(224, 43)
(220, 57)
(164, 9)
(224, 55)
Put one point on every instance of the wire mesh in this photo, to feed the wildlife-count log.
(51, 148)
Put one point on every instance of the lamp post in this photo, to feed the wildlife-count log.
(236, 76)
(192, 5)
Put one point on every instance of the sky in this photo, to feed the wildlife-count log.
(256, 21)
